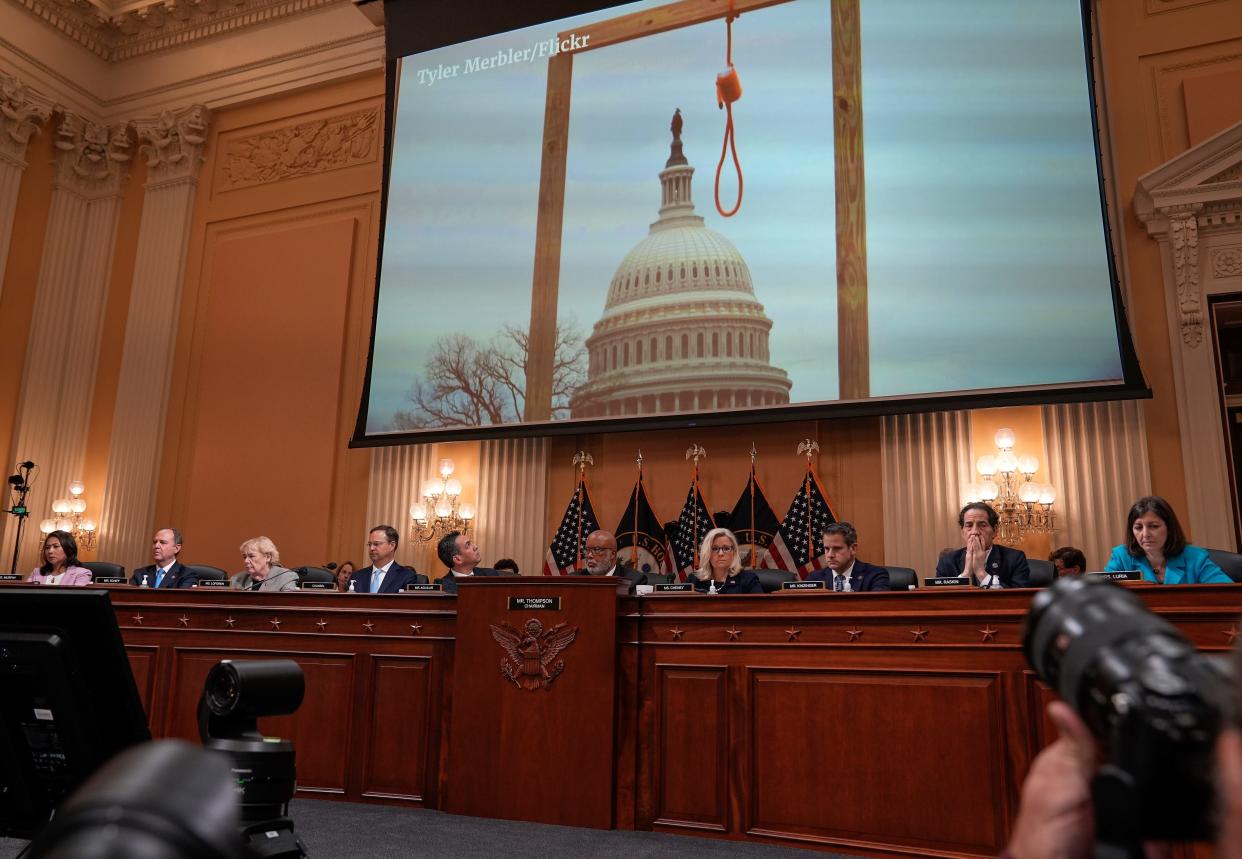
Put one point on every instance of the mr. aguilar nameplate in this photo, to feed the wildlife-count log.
(318, 586)
(947, 582)
(109, 580)
(420, 588)
(803, 586)
(683, 588)
(212, 583)
(534, 603)
(1118, 576)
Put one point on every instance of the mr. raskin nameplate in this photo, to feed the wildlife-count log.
(948, 582)
(1118, 576)
(803, 586)
(534, 603)
(422, 588)
(682, 588)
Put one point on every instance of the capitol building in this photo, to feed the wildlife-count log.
(682, 330)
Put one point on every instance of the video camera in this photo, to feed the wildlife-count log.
(1152, 701)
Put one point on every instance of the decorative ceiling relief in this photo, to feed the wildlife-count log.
(301, 149)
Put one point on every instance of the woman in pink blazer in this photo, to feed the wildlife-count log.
(60, 562)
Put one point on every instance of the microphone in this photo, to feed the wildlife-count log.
(26, 465)
(331, 565)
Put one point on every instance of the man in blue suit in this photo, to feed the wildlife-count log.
(986, 564)
(167, 571)
(385, 575)
(845, 572)
(459, 553)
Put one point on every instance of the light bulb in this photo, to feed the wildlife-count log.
(437, 489)
(64, 524)
(446, 467)
(418, 512)
(986, 465)
(88, 525)
(988, 490)
(1005, 438)
(1047, 494)
(452, 488)
(1028, 493)
(970, 494)
(47, 526)
(60, 505)
(1007, 463)
(443, 510)
(76, 488)
(77, 505)
(467, 512)
(1028, 464)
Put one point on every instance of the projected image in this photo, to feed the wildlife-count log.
(520, 289)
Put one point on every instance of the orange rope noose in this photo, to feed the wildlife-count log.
(728, 90)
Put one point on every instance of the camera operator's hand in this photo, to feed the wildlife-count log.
(1056, 819)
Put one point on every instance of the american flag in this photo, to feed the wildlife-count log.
(799, 543)
(692, 527)
(754, 523)
(565, 551)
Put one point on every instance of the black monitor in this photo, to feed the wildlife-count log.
(68, 701)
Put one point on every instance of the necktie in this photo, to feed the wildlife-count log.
(838, 583)
(375, 580)
(159, 577)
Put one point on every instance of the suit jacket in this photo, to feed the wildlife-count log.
(71, 577)
(1192, 567)
(449, 581)
(395, 579)
(745, 582)
(278, 579)
(636, 577)
(864, 577)
(1009, 564)
(176, 576)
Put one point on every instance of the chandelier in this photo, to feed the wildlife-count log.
(69, 516)
(441, 510)
(1024, 506)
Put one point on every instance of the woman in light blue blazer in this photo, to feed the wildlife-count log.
(1156, 545)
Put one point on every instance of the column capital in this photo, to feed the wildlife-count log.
(173, 142)
(91, 157)
(22, 111)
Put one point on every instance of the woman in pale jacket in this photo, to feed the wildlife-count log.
(263, 571)
(60, 562)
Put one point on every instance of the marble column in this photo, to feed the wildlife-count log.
(513, 498)
(1097, 460)
(22, 112)
(926, 462)
(53, 410)
(173, 144)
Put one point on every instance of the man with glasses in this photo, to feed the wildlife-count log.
(600, 559)
(385, 575)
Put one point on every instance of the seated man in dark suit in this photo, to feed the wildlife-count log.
(845, 572)
(987, 564)
(167, 571)
(600, 559)
(385, 575)
(459, 553)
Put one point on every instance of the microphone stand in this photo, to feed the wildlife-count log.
(21, 485)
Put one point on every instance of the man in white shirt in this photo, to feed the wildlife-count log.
(385, 575)
(845, 572)
(460, 554)
(167, 571)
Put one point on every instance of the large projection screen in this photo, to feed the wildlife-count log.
(921, 222)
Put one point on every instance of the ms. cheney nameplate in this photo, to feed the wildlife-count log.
(534, 603)
(681, 588)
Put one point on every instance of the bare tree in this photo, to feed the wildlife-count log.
(466, 384)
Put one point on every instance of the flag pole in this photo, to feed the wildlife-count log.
(696, 453)
(581, 460)
(637, 492)
(809, 447)
(753, 453)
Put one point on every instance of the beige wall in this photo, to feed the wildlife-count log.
(276, 302)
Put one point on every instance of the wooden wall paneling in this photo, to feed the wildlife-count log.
(402, 744)
(692, 748)
(627, 722)
(844, 757)
(143, 661)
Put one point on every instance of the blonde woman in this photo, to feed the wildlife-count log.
(720, 565)
(263, 571)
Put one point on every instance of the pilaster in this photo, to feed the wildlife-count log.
(22, 113)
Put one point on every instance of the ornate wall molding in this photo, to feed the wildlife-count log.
(91, 157)
(173, 143)
(300, 149)
(22, 114)
(1227, 261)
(1184, 243)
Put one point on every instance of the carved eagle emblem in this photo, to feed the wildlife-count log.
(530, 658)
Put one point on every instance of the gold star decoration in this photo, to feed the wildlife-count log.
(1232, 632)
(416, 628)
(368, 626)
(275, 622)
(988, 633)
(322, 624)
(854, 634)
(734, 633)
(793, 634)
(919, 634)
(228, 621)
(137, 619)
(677, 632)
(185, 621)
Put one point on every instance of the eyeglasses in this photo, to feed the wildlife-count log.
(723, 550)
(598, 550)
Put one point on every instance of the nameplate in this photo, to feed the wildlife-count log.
(109, 580)
(212, 583)
(953, 582)
(10, 577)
(420, 588)
(682, 588)
(534, 603)
(804, 586)
(1118, 576)
(318, 586)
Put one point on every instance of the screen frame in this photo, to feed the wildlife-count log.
(422, 25)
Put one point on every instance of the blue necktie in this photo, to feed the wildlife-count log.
(159, 577)
(375, 580)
